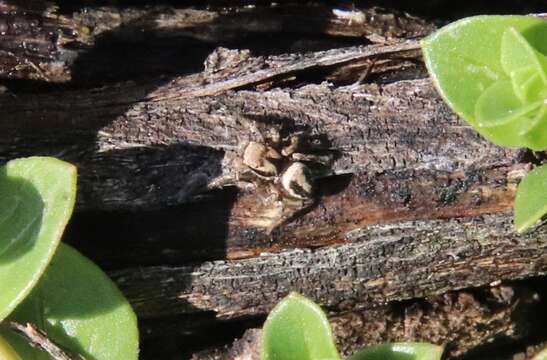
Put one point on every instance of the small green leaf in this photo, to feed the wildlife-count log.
(541, 356)
(525, 66)
(535, 132)
(499, 106)
(464, 58)
(531, 199)
(491, 70)
(79, 308)
(6, 351)
(527, 84)
(517, 53)
(298, 329)
(400, 351)
(38, 196)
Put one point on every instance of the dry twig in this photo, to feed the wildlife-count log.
(38, 339)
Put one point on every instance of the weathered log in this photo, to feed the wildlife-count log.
(410, 203)
(380, 133)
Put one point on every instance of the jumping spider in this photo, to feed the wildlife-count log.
(284, 169)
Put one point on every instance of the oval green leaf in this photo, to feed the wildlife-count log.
(464, 59)
(527, 84)
(517, 54)
(79, 308)
(38, 196)
(298, 329)
(498, 106)
(526, 67)
(531, 199)
(535, 132)
(400, 351)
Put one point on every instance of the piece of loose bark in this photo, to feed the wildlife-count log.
(410, 158)
(92, 43)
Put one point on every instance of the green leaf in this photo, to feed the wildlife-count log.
(527, 84)
(535, 132)
(38, 196)
(531, 199)
(6, 351)
(298, 329)
(490, 66)
(400, 351)
(541, 356)
(517, 53)
(525, 66)
(79, 308)
(500, 112)
(498, 106)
